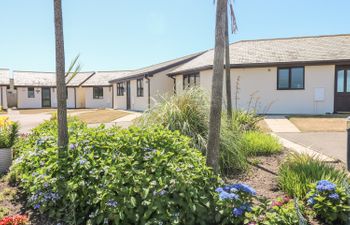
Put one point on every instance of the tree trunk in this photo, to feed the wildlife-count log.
(60, 81)
(217, 85)
(228, 71)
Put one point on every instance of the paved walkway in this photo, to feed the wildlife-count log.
(328, 146)
(280, 124)
(332, 144)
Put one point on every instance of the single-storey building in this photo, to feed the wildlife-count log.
(135, 90)
(35, 89)
(38, 89)
(302, 75)
(98, 91)
(75, 92)
(4, 84)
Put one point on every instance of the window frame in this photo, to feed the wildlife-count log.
(95, 92)
(187, 77)
(139, 87)
(120, 88)
(30, 91)
(290, 77)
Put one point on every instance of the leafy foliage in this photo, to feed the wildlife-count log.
(8, 132)
(299, 171)
(256, 143)
(115, 176)
(246, 120)
(188, 112)
(329, 202)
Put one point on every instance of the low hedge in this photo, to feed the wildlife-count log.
(115, 176)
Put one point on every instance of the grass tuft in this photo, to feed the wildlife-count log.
(299, 171)
(256, 143)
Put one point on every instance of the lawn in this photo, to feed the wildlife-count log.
(101, 116)
(319, 124)
(36, 111)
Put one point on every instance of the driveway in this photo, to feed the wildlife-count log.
(30, 120)
(332, 144)
(327, 142)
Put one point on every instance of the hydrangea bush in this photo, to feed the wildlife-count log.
(329, 201)
(115, 176)
(236, 200)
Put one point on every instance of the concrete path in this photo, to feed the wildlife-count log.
(280, 124)
(28, 121)
(332, 144)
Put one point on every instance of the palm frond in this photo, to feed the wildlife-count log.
(75, 67)
(234, 27)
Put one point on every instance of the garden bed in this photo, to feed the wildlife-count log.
(262, 175)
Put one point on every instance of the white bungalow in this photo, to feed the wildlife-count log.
(38, 89)
(98, 91)
(35, 89)
(135, 90)
(75, 92)
(4, 84)
(302, 75)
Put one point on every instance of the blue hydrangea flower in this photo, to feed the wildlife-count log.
(311, 201)
(72, 146)
(325, 185)
(219, 189)
(225, 195)
(244, 188)
(82, 161)
(37, 206)
(237, 212)
(333, 196)
(112, 203)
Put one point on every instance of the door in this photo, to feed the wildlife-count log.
(128, 95)
(46, 97)
(342, 89)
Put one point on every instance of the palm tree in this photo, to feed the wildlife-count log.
(217, 85)
(227, 58)
(60, 81)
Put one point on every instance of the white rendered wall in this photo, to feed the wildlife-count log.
(105, 102)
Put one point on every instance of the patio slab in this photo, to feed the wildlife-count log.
(279, 124)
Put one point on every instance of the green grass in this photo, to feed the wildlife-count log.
(256, 143)
(299, 171)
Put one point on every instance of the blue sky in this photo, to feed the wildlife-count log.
(125, 34)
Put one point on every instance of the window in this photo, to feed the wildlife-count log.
(98, 92)
(140, 87)
(290, 78)
(191, 80)
(31, 93)
(120, 89)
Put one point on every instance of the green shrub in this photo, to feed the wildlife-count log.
(329, 202)
(246, 120)
(299, 171)
(232, 158)
(188, 112)
(116, 176)
(8, 132)
(256, 143)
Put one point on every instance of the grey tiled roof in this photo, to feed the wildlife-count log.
(159, 67)
(31, 78)
(102, 78)
(4, 77)
(34, 78)
(278, 51)
(78, 79)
